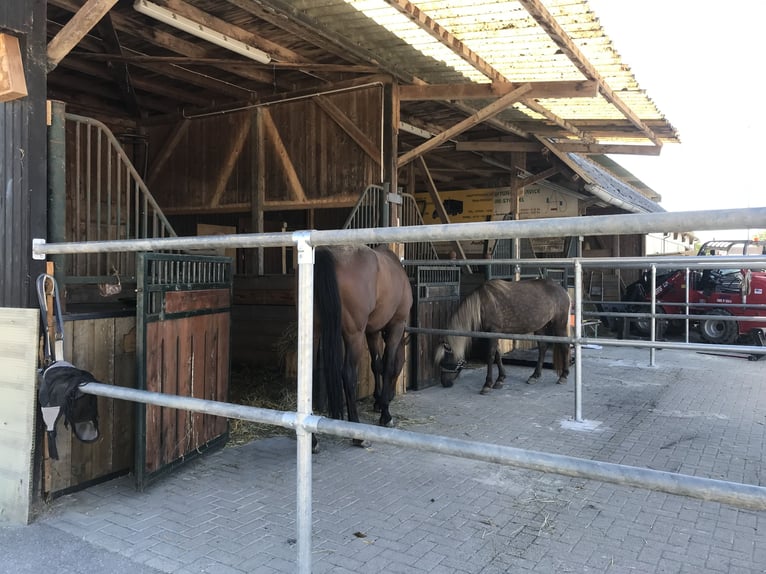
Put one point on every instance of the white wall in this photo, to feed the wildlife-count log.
(671, 244)
(18, 406)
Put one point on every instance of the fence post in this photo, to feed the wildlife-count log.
(303, 409)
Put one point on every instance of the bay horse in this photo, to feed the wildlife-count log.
(359, 293)
(537, 306)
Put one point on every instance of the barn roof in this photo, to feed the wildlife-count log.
(452, 59)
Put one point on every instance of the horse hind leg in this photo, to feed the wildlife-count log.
(561, 358)
(542, 348)
(375, 344)
(393, 361)
(350, 379)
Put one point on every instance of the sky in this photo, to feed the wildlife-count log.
(700, 63)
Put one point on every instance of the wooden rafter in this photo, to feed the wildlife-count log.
(119, 70)
(288, 16)
(533, 179)
(458, 47)
(231, 158)
(309, 66)
(438, 204)
(162, 39)
(291, 176)
(602, 149)
(348, 126)
(171, 143)
(544, 18)
(201, 17)
(577, 89)
(81, 23)
(487, 112)
(144, 84)
(530, 147)
(576, 147)
(535, 106)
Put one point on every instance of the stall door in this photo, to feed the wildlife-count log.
(183, 328)
(437, 298)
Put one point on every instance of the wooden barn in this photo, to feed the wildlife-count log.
(136, 119)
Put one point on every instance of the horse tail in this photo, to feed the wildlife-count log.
(327, 304)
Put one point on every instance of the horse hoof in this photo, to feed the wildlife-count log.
(561, 381)
(532, 380)
(498, 385)
(485, 390)
(386, 423)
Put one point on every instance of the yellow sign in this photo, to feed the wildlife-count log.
(492, 204)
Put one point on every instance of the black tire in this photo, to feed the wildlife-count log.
(643, 326)
(718, 331)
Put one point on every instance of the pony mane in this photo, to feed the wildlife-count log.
(466, 318)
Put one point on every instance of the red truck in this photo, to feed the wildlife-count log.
(725, 291)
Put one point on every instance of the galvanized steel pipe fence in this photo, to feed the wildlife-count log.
(304, 422)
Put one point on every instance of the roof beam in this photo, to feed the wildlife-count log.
(483, 114)
(603, 149)
(548, 23)
(439, 205)
(498, 146)
(201, 17)
(534, 178)
(348, 126)
(576, 89)
(81, 23)
(448, 39)
(576, 147)
(155, 36)
(119, 70)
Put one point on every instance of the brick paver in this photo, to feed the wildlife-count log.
(389, 509)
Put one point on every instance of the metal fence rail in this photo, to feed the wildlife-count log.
(305, 423)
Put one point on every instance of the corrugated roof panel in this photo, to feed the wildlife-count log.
(506, 36)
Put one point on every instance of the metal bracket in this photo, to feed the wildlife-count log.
(36, 243)
(394, 198)
(305, 249)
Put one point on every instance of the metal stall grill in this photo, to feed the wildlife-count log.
(437, 298)
(106, 199)
(182, 348)
(373, 210)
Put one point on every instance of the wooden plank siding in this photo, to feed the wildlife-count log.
(187, 357)
(107, 348)
(327, 160)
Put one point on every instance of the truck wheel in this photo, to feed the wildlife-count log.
(718, 331)
(643, 326)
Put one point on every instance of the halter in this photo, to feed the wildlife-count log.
(458, 367)
(458, 364)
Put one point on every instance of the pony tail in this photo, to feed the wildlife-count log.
(327, 304)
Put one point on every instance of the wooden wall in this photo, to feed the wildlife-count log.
(264, 311)
(23, 208)
(211, 163)
(107, 348)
